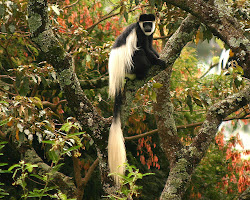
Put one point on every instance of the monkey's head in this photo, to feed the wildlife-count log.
(147, 23)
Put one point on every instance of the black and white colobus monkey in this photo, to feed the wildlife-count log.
(132, 53)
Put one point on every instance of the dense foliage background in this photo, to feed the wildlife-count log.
(34, 111)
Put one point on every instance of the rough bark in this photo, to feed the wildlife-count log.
(189, 157)
(163, 109)
(220, 21)
(95, 125)
(182, 159)
(65, 183)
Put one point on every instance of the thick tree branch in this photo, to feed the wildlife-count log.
(65, 183)
(86, 114)
(215, 116)
(189, 157)
(218, 19)
(163, 109)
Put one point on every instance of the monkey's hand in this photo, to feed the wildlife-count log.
(161, 63)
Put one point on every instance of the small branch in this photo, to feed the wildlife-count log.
(82, 182)
(141, 135)
(161, 37)
(10, 93)
(178, 128)
(211, 67)
(89, 29)
(71, 5)
(90, 172)
(53, 106)
(7, 76)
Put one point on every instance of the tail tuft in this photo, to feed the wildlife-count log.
(116, 150)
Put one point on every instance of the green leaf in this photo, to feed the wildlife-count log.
(147, 174)
(49, 142)
(66, 127)
(38, 177)
(57, 167)
(126, 15)
(157, 85)
(30, 167)
(71, 149)
(76, 134)
(4, 102)
(53, 155)
(4, 171)
(3, 142)
(25, 86)
(14, 166)
(240, 69)
(3, 164)
(153, 96)
(3, 122)
(37, 101)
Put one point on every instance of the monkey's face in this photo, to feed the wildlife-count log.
(148, 27)
(147, 23)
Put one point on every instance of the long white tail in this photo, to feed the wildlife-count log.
(116, 150)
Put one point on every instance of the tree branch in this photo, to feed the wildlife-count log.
(163, 109)
(193, 125)
(65, 183)
(82, 182)
(189, 158)
(215, 116)
(89, 29)
(222, 25)
(86, 114)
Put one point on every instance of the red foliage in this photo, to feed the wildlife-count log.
(239, 168)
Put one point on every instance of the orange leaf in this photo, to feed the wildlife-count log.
(17, 135)
(155, 158)
(10, 123)
(142, 159)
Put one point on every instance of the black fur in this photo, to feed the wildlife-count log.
(142, 59)
(147, 17)
(146, 56)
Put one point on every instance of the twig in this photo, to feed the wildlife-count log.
(90, 172)
(68, 6)
(82, 182)
(178, 128)
(211, 67)
(89, 29)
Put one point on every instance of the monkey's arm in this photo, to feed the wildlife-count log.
(150, 42)
(152, 54)
(153, 57)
